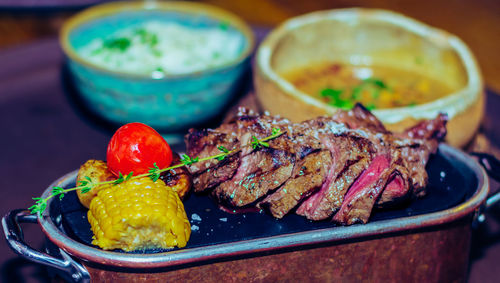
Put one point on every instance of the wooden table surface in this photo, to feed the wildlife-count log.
(476, 22)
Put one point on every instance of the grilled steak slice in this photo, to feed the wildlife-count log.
(210, 173)
(415, 146)
(213, 176)
(396, 190)
(434, 129)
(361, 197)
(308, 175)
(399, 184)
(351, 156)
(204, 143)
(359, 117)
(258, 173)
(263, 170)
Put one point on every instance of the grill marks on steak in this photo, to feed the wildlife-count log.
(351, 156)
(308, 175)
(204, 143)
(258, 173)
(361, 197)
(335, 168)
(416, 145)
(217, 174)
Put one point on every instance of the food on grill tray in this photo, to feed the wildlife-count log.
(136, 147)
(97, 171)
(136, 211)
(138, 214)
(179, 179)
(336, 168)
(329, 168)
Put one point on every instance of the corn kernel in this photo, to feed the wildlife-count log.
(138, 214)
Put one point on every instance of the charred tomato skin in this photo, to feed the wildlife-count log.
(136, 147)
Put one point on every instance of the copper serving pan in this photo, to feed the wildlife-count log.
(426, 247)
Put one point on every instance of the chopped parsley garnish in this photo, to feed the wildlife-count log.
(331, 93)
(156, 52)
(121, 43)
(376, 82)
(334, 96)
(215, 55)
(146, 37)
(224, 25)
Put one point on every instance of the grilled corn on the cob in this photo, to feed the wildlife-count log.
(138, 214)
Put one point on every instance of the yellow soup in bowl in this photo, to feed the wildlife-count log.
(401, 69)
(377, 87)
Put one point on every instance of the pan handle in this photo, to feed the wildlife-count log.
(492, 166)
(71, 269)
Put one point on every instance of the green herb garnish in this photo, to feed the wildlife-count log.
(256, 143)
(376, 82)
(153, 173)
(224, 25)
(331, 93)
(334, 96)
(187, 160)
(121, 43)
(146, 37)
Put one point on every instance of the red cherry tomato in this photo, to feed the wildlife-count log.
(135, 147)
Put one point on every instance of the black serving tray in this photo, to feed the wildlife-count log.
(450, 183)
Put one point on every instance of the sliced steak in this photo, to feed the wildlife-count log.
(263, 170)
(394, 191)
(308, 175)
(258, 173)
(397, 188)
(339, 167)
(210, 173)
(205, 143)
(220, 172)
(415, 146)
(351, 156)
(434, 129)
(359, 117)
(361, 197)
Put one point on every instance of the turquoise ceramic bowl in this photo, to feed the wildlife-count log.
(170, 103)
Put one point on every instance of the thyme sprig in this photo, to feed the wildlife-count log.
(154, 173)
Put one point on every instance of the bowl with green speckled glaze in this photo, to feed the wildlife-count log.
(172, 96)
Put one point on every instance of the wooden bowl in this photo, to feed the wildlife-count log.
(371, 37)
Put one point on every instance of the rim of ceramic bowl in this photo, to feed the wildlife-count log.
(452, 104)
(108, 9)
(222, 250)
